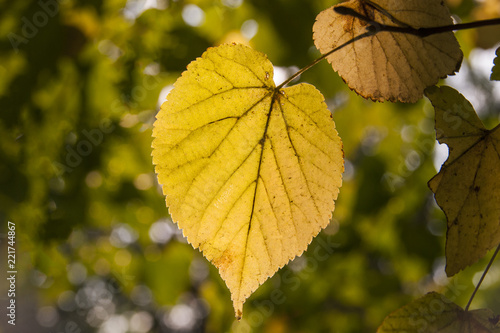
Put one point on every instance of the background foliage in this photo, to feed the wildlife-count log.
(80, 83)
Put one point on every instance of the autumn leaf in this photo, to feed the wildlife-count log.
(467, 187)
(250, 172)
(390, 66)
(495, 72)
(434, 313)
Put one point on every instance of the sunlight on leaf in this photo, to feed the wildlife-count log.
(250, 173)
(434, 313)
(495, 72)
(388, 65)
(467, 187)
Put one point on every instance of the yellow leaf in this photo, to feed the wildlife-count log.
(467, 187)
(250, 172)
(495, 71)
(433, 313)
(389, 65)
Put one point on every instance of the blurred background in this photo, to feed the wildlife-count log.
(96, 251)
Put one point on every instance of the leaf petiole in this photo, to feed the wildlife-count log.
(482, 277)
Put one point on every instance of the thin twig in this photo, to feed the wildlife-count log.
(482, 278)
(459, 26)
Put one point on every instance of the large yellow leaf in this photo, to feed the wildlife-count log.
(250, 172)
(433, 313)
(467, 187)
(389, 65)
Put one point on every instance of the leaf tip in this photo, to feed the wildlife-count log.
(238, 310)
(429, 91)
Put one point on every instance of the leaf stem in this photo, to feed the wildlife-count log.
(482, 278)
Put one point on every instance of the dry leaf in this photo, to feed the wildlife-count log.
(388, 65)
(486, 37)
(467, 187)
(250, 173)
